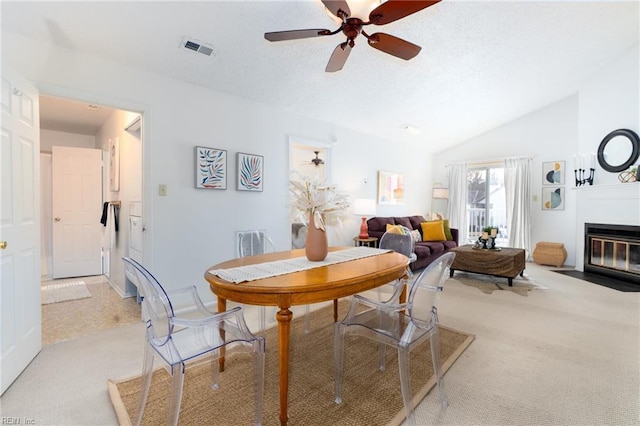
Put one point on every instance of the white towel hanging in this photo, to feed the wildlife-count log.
(109, 237)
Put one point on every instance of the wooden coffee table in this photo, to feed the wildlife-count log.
(506, 262)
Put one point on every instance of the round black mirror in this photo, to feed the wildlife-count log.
(619, 150)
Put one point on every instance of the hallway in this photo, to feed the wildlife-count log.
(71, 319)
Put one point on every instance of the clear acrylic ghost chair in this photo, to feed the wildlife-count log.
(255, 242)
(400, 243)
(403, 326)
(197, 335)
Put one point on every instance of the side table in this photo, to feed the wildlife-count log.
(366, 242)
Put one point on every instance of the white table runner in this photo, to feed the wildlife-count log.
(287, 266)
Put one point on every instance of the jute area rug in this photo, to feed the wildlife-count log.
(370, 397)
(62, 292)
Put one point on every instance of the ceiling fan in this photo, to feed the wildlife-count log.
(317, 161)
(387, 12)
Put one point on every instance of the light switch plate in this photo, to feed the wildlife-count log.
(162, 190)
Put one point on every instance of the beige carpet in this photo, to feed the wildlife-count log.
(371, 397)
(62, 292)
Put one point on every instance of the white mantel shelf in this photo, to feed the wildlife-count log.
(620, 186)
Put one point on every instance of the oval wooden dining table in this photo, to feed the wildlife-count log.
(324, 283)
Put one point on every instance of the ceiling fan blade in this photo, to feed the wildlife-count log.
(335, 6)
(394, 46)
(296, 34)
(392, 10)
(338, 57)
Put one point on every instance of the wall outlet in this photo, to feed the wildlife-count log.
(162, 190)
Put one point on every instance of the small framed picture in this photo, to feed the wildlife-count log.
(553, 173)
(390, 188)
(553, 198)
(211, 168)
(250, 172)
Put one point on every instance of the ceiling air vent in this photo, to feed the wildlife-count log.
(197, 46)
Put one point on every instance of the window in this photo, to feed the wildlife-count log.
(486, 202)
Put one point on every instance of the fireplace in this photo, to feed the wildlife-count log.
(613, 251)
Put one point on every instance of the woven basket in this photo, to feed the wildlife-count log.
(553, 254)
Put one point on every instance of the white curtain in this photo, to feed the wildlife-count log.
(517, 182)
(457, 207)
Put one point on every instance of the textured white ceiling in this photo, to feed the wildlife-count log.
(483, 63)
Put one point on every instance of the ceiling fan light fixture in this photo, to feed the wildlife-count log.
(358, 8)
(362, 8)
(353, 15)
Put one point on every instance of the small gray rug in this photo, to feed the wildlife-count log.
(63, 292)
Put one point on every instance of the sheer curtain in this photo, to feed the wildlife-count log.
(457, 207)
(517, 182)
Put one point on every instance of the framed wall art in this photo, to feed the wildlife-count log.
(553, 173)
(553, 198)
(390, 188)
(211, 168)
(250, 172)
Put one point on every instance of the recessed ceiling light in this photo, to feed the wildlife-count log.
(410, 128)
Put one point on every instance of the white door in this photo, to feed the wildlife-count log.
(77, 209)
(19, 228)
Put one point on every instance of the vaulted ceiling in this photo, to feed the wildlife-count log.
(482, 64)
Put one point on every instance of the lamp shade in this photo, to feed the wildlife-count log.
(364, 206)
(440, 193)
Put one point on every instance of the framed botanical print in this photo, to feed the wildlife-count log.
(250, 172)
(211, 168)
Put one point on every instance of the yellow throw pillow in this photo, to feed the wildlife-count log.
(395, 229)
(447, 230)
(433, 231)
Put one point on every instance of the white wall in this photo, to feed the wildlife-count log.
(576, 125)
(549, 134)
(192, 229)
(130, 188)
(608, 101)
(50, 138)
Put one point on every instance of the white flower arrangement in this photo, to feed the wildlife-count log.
(320, 200)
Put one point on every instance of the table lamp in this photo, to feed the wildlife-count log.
(364, 207)
(440, 193)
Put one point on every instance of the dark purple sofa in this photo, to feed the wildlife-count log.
(426, 251)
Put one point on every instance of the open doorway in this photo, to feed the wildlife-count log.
(81, 301)
(310, 159)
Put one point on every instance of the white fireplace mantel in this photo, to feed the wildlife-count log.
(617, 204)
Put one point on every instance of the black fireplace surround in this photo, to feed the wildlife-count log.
(612, 251)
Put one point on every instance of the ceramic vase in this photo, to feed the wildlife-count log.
(316, 247)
